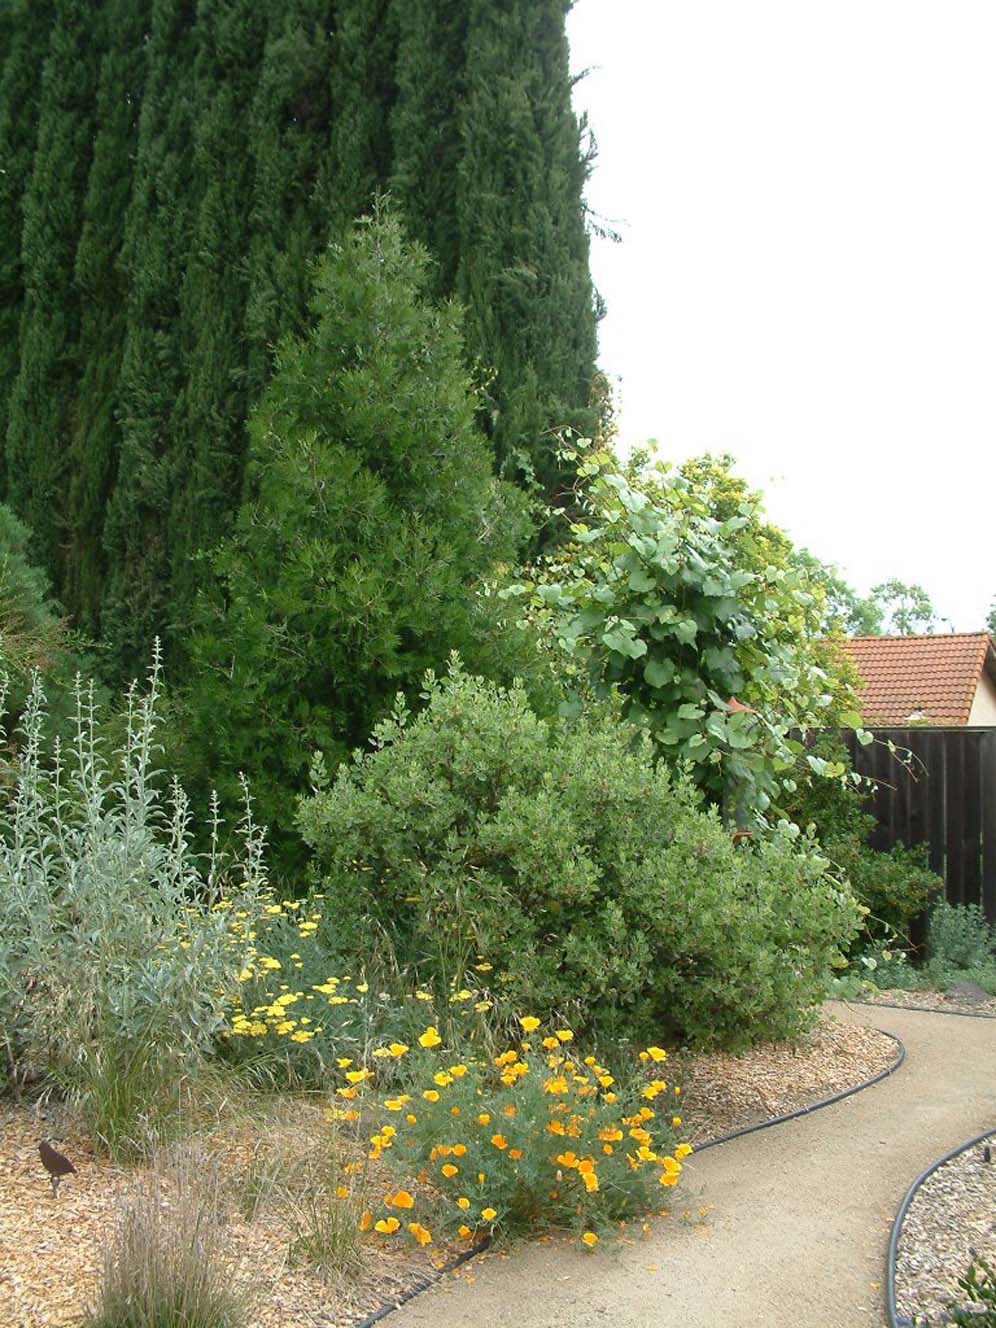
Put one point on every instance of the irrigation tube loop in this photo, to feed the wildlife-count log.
(427, 1282)
(897, 1226)
(921, 1009)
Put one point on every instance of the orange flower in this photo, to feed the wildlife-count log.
(387, 1226)
(420, 1233)
(400, 1200)
(449, 1170)
(365, 1222)
(590, 1239)
(499, 1141)
(515, 1154)
(463, 1202)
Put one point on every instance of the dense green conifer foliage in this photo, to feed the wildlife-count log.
(171, 169)
(136, 600)
(25, 35)
(371, 510)
(207, 437)
(43, 393)
(291, 194)
(522, 268)
(101, 291)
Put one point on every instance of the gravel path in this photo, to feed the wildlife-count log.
(781, 1228)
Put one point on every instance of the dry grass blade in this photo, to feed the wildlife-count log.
(163, 1266)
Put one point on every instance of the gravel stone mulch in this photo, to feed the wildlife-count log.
(931, 1000)
(951, 1220)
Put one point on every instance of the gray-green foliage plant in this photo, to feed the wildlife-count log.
(960, 942)
(116, 958)
(563, 853)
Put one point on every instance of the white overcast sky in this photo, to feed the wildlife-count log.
(806, 193)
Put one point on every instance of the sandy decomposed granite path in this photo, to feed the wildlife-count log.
(786, 1227)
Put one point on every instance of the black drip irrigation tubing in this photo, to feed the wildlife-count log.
(814, 1106)
(920, 1009)
(423, 1284)
(897, 1226)
(426, 1282)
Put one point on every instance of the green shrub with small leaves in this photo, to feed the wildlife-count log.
(477, 830)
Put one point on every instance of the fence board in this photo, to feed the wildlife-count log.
(988, 786)
(947, 799)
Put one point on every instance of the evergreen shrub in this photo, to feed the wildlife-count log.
(562, 852)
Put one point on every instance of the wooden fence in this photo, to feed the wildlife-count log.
(945, 797)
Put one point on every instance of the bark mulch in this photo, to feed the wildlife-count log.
(52, 1248)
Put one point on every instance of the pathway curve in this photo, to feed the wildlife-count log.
(798, 1219)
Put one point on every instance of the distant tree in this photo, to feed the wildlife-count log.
(844, 609)
(907, 610)
(991, 620)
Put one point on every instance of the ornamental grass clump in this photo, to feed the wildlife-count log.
(117, 963)
(536, 1137)
(164, 1265)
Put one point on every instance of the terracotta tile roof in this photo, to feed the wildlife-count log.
(920, 679)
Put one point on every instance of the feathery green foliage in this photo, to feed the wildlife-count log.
(371, 511)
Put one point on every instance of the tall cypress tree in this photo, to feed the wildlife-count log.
(25, 45)
(363, 75)
(156, 238)
(207, 434)
(102, 294)
(425, 126)
(521, 238)
(40, 401)
(291, 131)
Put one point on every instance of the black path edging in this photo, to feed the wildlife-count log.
(918, 1009)
(422, 1284)
(897, 1226)
(814, 1106)
(425, 1283)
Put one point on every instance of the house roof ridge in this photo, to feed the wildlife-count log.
(919, 636)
